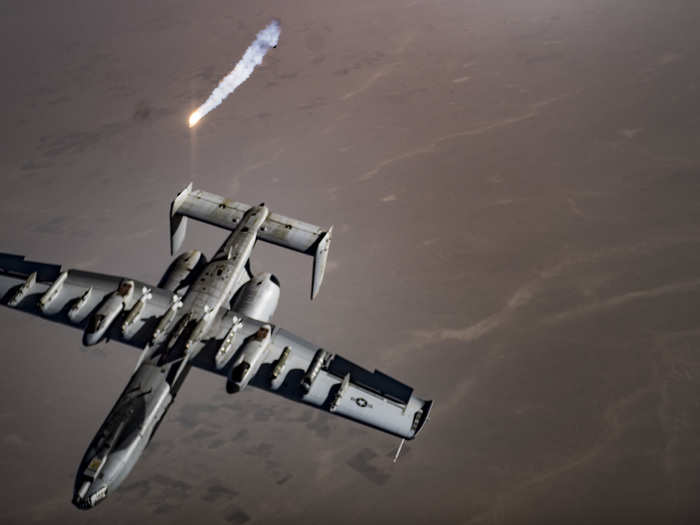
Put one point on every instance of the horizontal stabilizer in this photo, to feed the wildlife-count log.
(277, 229)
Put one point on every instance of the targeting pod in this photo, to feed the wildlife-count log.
(281, 363)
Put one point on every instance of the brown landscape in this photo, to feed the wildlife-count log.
(514, 187)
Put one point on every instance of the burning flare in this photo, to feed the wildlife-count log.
(194, 117)
(253, 56)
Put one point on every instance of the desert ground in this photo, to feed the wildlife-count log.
(514, 188)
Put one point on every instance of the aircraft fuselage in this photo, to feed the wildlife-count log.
(131, 423)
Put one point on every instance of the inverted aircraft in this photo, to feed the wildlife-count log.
(211, 314)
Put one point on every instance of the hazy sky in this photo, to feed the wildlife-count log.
(514, 187)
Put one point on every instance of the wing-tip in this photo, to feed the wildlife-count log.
(427, 405)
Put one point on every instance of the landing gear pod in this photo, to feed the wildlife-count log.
(182, 271)
(251, 356)
(106, 314)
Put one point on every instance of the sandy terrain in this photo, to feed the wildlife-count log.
(514, 187)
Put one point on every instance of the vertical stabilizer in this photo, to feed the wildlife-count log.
(178, 222)
(320, 258)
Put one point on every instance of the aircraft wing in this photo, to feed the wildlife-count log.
(293, 368)
(72, 287)
(300, 371)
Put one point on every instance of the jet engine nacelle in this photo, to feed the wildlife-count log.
(258, 297)
(182, 271)
(250, 356)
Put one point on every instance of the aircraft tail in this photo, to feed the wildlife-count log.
(277, 229)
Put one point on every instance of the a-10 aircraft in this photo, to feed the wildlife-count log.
(213, 315)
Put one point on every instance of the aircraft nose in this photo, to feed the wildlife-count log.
(81, 503)
(88, 495)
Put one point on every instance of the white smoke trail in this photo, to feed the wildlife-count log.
(252, 57)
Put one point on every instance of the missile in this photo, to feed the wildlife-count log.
(166, 320)
(135, 312)
(320, 358)
(101, 320)
(249, 360)
(52, 292)
(341, 391)
(227, 345)
(107, 313)
(77, 308)
(281, 363)
(23, 290)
